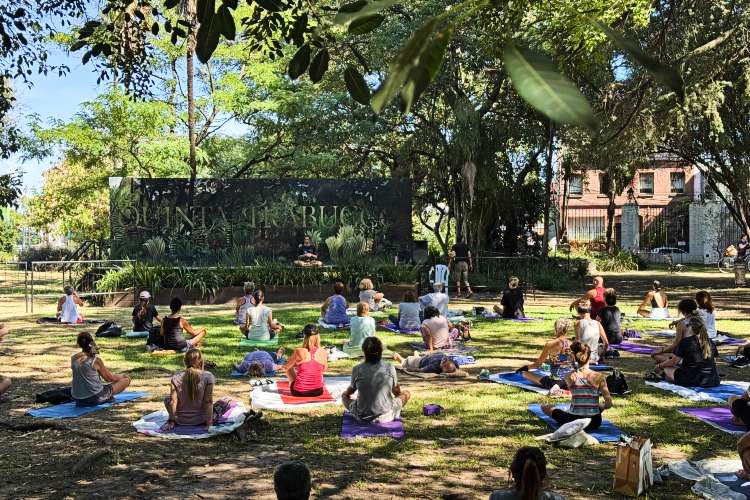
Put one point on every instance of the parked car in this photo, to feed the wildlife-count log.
(666, 250)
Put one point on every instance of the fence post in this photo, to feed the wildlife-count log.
(631, 228)
(32, 288)
(705, 226)
(26, 285)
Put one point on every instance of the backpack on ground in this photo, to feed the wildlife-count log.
(109, 329)
(617, 384)
(55, 396)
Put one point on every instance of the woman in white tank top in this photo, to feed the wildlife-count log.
(67, 307)
(590, 332)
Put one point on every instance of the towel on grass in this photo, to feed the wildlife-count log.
(722, 339)
(136, 335)
(164, 353)
(715, 478)
(718, 417)
(718, 394)
(70, 410)
(606, 433)
(331, 326)
(269, 397)
(456, 374)
(387, 325)
(152, 423)
(274, 342)
(351, 428)
(634, 348)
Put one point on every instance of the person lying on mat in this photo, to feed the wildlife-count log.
(291, 481)
(243, 304)
(436, 299)
(585, 386)
(261, 363)
(528, 470)
(259, 322)
(435, 330)
(743, 448)
(655, 303)
(173, 327)
(376, 300)
(590, 332)
(144, 314)
(706, 312)
(333, 310)
(610, 317)
(361, 327)
(408, 318)
(191, 394)
(556, 353)
(595, 296)
(307, 364)
(693, 363)
(67, 307)
(379, 397)
(88, 371)
(428, 363)
(511, 302)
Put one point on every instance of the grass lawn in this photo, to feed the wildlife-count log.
(466, 449)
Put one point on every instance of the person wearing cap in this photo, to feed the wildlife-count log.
(144, 314)
(67, 307)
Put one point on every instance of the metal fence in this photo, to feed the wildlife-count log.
(667, 226)
(589, 226)
(729, 230)
(14, 281)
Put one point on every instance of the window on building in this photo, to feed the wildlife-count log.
(603, 183)
(575, 185)
(646, 183)
(677, 182)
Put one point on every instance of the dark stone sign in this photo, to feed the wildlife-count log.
(244, 218)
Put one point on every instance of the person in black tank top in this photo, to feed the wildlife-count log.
(173, 327)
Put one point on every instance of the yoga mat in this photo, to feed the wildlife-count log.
(393, 328)
(237, 374)
(329, 326)
(606, 433)
(70, 410)
(457, 374)
(351, 428)
(274, 342)
(734, 483)
(662, 333)
(718, 394)
(634, 348)
(454, 350)
(288, 399)
(136, 335)
(718, 417)
(517, 380)
(52, 320)
(268, 397)
(498, 317)
(727, 340)
(461, 360)
(152, 423)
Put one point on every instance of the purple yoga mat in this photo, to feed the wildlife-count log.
(350, 428)
(634, 348)
(715, 416)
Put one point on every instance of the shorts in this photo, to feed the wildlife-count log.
(461, 269)
(548, 382)
(104, 396)
(411, 363)
(393, 414)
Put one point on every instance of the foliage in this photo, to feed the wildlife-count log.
(10, 190)
(9, 233)
(618, 262)
(43, 253)
(347, 246)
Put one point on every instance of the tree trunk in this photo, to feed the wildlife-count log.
(610, 222)
(548, 190)
(189, 59)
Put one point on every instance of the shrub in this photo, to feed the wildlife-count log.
(43, 253)
(620, 261)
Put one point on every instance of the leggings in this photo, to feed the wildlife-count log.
(741, 410)
(563, 417)
(306, 394)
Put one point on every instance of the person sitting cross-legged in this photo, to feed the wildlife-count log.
(428, 363)
(333, 310)
(173, 327)
(259, 322)
(67, 307)
(376, 300)
(307, 364)
(88, 371)
(436, 298)
(511, 302)
(610, 317)
(585, 386)
(408, 318)
(590, 331)
(379, 397)
(190, 400)
(436, 330)
(291, 481)
(243, 304)
(655, 303)
(528, 470)
(743, 448)
(361, 327)
(556, 352)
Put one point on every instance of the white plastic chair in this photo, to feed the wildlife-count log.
(439, 274)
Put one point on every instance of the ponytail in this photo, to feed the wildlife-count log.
(193, 369)
(530, 481)
(699, 330)
(581, 352)
(529, 468)
(86, 342)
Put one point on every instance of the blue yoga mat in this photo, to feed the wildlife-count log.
(70, 410)
(607, 433)
(136, 335)
(735, 483)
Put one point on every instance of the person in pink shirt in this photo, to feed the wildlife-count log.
(307, 364)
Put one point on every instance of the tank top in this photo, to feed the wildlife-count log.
(69, 311)
(597, 302)
(86, 381)
(309, 374)
(589, 335)
(259, 323)
(242, 312)
(560, 364)
(585, 396)
(336, 312)
(173, 338)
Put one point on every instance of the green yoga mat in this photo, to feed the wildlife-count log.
(274, 342)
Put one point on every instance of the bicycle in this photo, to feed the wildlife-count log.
(726, 263)
(672, 267)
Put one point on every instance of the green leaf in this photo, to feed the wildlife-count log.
(319, 65)
(171, 4)
(78, 45)
(398, 71)
(299, 62)
(207, 38)
(539, 83)
(356, 85)
(430, 61)
(228, 27)
(206, 11)
(663, 73)
(365, 24)
(270, 5)
(359, 9)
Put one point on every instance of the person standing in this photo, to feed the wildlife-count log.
(460, 262)
(740, 261)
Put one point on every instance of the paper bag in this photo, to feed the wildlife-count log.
(634, 469)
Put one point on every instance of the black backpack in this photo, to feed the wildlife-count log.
(617, 384)
(109, 329)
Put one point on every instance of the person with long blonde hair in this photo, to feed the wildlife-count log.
(692, 364)
(556, 352)
(191, 391)
(307, 364)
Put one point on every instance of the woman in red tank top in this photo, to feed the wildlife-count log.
(306, 365)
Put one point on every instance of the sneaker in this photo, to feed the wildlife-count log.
(151, 348)
(741, 362)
